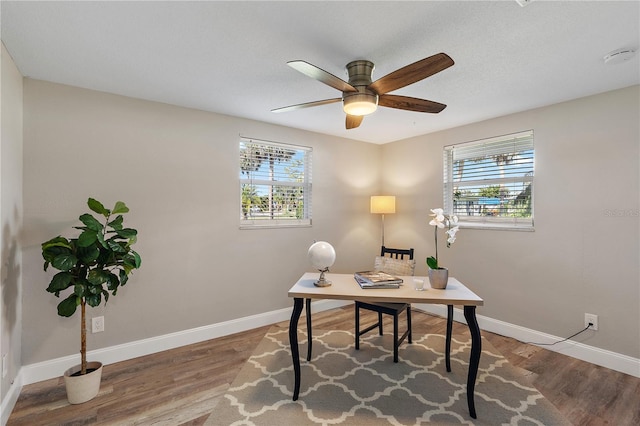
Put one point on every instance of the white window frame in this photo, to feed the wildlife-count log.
(510, 144)
(258, 178)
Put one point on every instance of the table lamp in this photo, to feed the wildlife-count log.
(383, 204)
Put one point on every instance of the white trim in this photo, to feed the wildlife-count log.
(54, 368)
(10, 399)
(612, 360)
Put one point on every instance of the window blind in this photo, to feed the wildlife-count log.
(489, 183)
(275, 184)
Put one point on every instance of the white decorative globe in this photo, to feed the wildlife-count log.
(321, 255)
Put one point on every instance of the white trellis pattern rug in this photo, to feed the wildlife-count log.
(343, 386)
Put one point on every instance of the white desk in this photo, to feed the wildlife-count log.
(344, 287)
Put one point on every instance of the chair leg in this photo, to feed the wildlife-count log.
(380, 323)
(357, 327)
(395, 338)
(409, 321)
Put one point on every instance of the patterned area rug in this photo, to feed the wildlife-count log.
(344, 386)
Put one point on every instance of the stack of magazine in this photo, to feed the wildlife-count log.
(377, 279)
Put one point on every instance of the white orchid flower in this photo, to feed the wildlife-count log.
(438, 219)
(441, 221)
(452, 235)
(437, 222)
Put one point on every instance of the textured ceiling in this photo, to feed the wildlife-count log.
(230, 57)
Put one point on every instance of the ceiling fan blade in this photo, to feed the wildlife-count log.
(353, 121)
(306, 105)
(411, 73)
(411, 104)
(321, 75)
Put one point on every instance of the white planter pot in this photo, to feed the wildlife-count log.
(438, 278)
(85, 387)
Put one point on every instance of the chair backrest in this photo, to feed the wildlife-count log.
(398, 261)
(397, 253)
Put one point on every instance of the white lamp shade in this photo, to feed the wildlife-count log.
(383, 204)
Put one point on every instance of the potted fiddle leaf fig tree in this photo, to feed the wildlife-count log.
(93, 265)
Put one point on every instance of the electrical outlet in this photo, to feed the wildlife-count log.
(97, 324)
(591, 319)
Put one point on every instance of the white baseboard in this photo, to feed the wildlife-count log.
(53, 368)
(10, 399)
(612, 360)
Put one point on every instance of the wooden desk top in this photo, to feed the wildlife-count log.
(345, 287)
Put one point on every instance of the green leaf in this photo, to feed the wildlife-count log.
(138, 260)
(120, 207)
(94, 299)
(124, 277)
(91, 222)
(67, 307)
(102, 241)
(64, 262)
(113, 282)
(131, 261)
(97, 276)
(95, 289)
(88, 255)
(127, 233)
(80, 290)
(56, 242)
(97, 207)
(55, 247)
(87, 238)
(432, 262)
(116, 246)
(116, 223)
(60, 281)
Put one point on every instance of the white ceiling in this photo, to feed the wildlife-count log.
(230, 57)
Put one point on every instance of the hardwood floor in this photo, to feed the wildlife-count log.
(183, 385)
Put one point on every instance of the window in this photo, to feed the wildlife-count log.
(489, 183)
(275, 184)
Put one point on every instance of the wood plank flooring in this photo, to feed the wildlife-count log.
(182, 386)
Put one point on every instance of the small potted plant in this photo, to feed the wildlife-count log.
(439, 276)
(93, 265)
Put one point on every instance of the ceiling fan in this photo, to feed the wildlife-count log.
(360, 96)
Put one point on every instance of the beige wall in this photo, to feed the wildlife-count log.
(177, 170)
(10, 216)
(583, 256)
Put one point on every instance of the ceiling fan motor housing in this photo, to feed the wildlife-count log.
(364, 101)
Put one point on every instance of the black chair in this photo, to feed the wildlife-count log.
(394, 309)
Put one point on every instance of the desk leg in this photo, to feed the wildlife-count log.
(474, 359)
(293, 342)
(309, 339)
(447, 355)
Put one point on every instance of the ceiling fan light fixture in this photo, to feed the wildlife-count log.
(360, 103)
